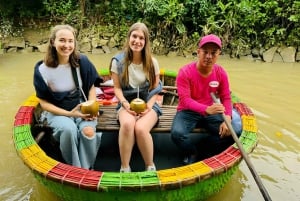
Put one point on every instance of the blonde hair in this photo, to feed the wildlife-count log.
(148, 65)
(51, 58)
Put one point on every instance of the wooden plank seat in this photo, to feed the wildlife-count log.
(108, 122)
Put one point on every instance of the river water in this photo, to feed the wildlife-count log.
(272, 90)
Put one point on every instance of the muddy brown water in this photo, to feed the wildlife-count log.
(272, 90)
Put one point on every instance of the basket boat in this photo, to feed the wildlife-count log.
(172, 181)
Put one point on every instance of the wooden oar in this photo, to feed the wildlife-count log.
(244, 154)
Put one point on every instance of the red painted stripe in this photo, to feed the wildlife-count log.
(79, 177)
(24, 115)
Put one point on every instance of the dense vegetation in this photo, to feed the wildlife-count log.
(174, 23)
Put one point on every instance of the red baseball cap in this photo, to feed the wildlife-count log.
(211, 38)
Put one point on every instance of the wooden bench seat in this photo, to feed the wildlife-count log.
(108, 122)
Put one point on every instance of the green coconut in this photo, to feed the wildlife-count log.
(138, 105)
(90, 107)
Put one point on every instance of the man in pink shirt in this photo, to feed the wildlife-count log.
(195, 81)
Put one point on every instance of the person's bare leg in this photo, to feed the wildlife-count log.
(126, 137)
(143, 137)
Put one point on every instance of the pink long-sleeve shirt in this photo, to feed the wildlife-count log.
(194, 89)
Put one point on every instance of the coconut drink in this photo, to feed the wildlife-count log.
(138, 105)
(90, 107)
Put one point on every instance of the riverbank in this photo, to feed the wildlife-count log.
(35, 40)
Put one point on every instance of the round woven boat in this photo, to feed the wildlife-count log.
(192, 182)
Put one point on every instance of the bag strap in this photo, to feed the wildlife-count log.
(75, 77)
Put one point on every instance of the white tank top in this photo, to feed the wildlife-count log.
(136, 73)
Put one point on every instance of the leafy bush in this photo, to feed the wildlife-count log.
(174, 23)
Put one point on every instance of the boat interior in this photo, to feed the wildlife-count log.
(166, 153)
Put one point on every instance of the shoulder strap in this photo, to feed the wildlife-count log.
(75, 77)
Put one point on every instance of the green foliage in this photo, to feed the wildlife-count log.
(58, 9)
(6, 28)
(117, 11)
(167, 12)
(174, 23)
(196, 13)
(11, 9)
(165, 19)
(294, 19)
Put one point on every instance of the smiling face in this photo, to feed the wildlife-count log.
(137, 40)
(208, 55)
(64, 43)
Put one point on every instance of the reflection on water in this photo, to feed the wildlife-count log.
(271, 90)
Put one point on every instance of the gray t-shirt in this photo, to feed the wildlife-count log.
(59, 79)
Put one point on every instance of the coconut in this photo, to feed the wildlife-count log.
(138, 105)
(90, 107)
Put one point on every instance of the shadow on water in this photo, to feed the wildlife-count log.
(270, 89)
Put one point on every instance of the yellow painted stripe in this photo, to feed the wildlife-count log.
(36, 159)
(184, 174)
(249, 123)
(31, 101)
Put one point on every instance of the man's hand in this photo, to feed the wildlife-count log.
(215, 108)
(224, 131)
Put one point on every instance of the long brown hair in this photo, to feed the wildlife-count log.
(148, 66)
(51, 58)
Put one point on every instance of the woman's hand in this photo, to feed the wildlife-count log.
(126, 106)
(148, 109)
(75, 112)
(89, 117)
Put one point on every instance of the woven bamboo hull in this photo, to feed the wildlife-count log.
(191, 182)
(197, 191)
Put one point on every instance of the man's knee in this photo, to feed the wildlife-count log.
(176, 136)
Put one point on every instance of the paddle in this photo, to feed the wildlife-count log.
(244, 154)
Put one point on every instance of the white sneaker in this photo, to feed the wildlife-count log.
(124, 170)
(151, 168)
